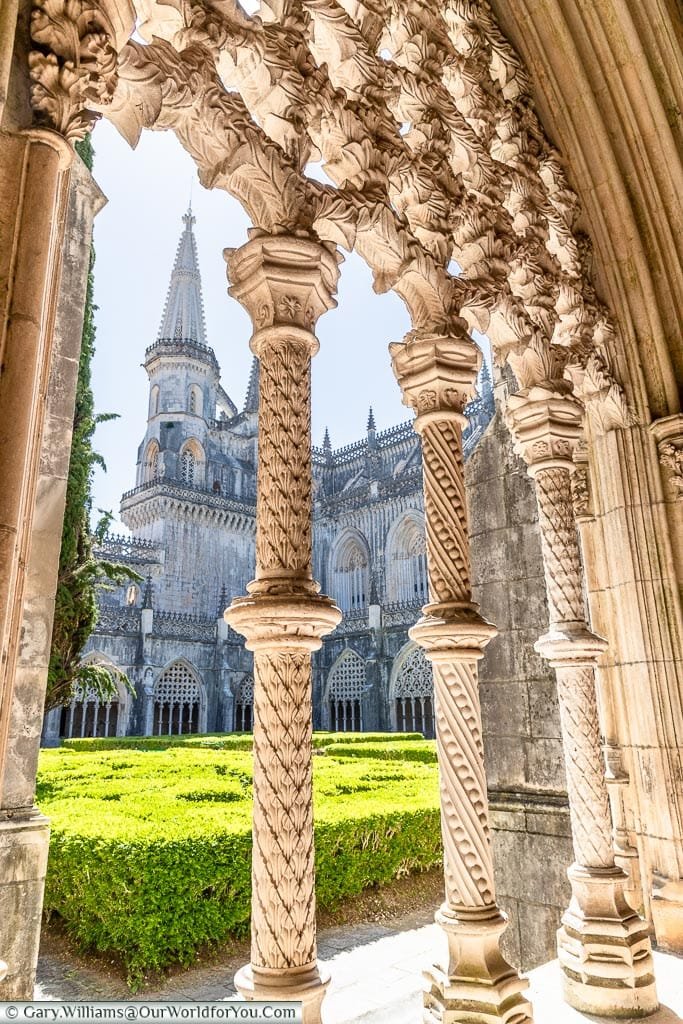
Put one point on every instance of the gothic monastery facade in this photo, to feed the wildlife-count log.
(192, 522)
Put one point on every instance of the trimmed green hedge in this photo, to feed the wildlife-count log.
(150, 851)
(231, 741)
(420, 750)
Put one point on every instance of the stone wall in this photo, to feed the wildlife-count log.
(523, 749)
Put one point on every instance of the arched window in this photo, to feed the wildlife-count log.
(407, 562)
(244, 706)
(350, 575)
(192, 464)
(154, 400)
(195, 400)
(88, 716)
(412, 691)
(176, 701)
(152, 461)
(345, 685)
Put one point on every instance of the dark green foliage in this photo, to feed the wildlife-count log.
(150, 850)
(79, 571)
(241, 741)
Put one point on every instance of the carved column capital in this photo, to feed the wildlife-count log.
(74, 65)
(436, 375)
(546, 425)
(283, 282)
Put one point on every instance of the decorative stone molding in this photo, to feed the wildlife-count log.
(285, 283)
(76, 65)
(436, 376)
(603, 946)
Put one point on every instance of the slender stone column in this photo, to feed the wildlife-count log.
(603, 945)
(285, 284)
(437, 375)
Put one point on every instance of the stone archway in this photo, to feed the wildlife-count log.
(437, 155)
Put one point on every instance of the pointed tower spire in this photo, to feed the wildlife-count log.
(251, 401)
(327, 444)
(371, 421)
(183, 318)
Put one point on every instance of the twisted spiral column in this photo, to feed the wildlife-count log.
(603, 946)
(285, 283)
(436, 375)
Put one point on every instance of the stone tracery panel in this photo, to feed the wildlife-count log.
(412, 692)
(345, 686)
(177, 701)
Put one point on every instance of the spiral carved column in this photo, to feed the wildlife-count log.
(436, 375)
(285, 284)
(603, 945)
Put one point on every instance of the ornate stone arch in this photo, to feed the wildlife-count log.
(192, 463)
(406, 559)
(88, 716)
(179, 700)
(411, 691)
(349, 571)
(344, 692)
(244, 705)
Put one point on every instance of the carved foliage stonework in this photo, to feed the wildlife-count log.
(671, 458)
(588, 799)
(283, 534)
(75, 68)
(283, 907)
(559, 540)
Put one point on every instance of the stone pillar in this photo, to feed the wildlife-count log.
(285, 284)
(603, 945)
(437, 375)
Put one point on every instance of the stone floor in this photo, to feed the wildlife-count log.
(376, 978)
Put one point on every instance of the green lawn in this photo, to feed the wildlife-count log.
(150, 849)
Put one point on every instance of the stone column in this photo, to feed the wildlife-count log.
(285, 284)
(437, 375)
(603, 945)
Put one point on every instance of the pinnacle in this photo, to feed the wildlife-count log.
(183, 317)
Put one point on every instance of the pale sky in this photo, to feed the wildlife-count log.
(136, 235)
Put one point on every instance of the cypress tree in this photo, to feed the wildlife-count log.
(80, 572)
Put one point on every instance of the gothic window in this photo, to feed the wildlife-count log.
(345, 686)
(413, 694)
(194, 403)
(350, 576)
(244, 706)
(188, 465)
(154, 400)
(152, 461)
(87, 716)
(407, 563)
(176, 701)
(192, 464)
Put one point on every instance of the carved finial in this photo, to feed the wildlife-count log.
(327, 444)
(371, 422)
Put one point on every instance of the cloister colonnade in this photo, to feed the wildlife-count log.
(434, 122)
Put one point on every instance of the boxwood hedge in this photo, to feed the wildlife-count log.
(150, 850)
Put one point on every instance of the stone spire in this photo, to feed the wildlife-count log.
(251, 401)
(183, 318)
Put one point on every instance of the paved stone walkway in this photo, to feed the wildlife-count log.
(376, 973)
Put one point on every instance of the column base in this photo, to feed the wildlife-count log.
(306, 984)
(24, 843)
(479, 987)
(604, 948)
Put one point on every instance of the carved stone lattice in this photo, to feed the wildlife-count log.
(347, 677)
(415, 677)
(283, 911)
